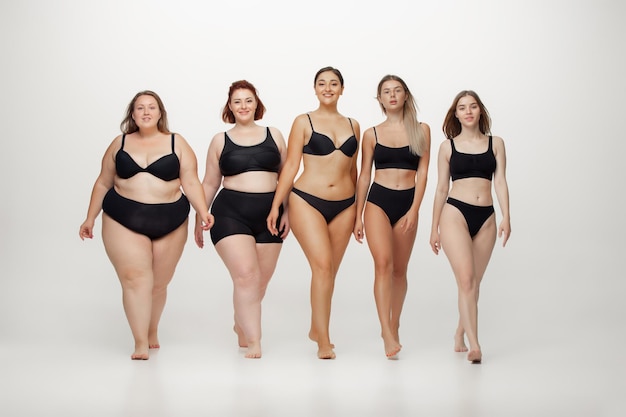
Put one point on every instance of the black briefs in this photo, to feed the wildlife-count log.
(475, 216)
(242, 213)
(328, 208)
(152, 220)
(395, 203)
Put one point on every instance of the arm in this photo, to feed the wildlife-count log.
(354, 169)
(103, 183)
(411, 218)
(502, 189)
(364, 181)
(210, 184)
(441, 192)
(289, 170)
(282, 148)
(190, 182)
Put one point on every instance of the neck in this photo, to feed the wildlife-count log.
(148, 133)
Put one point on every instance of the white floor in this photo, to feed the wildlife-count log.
(65, 352)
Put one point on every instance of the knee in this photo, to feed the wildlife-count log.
(467, 285)
(134, 278)
(245, 277)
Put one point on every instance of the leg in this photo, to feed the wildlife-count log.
(166, 254)
(379, 236)
(240, 257)
(483, 244)
(131, 256)
(402, 249)
(322, 251)
(458, 247)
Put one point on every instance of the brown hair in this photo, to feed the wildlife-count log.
(128, 125)
(227, 114)
(452, 126)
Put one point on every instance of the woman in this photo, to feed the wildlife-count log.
(399, 148)
(322, 210)
(464, 223)
(246, 161)
(144, 225)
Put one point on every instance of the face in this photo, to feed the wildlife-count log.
(242, 104)
(392, 95)
(328, 87)
(468, 111)
(146, 112)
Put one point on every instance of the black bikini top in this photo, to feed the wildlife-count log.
(236, 159)
(386, 157)
(166, 167)
(467, 165)
(320, 144)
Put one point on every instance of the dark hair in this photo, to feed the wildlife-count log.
(128, 125)
(452, 126)
(333, 70)
(227, 114)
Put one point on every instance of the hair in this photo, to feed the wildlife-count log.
(417, 138)
(129, 126)
(451, 124)
(333, 70)
(227, 114)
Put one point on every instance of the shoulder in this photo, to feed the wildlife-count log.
(425, 127)
(354, 122)
(277, 135)
(218, 140)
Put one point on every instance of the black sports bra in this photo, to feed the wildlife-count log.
(166, 167)
(236, 159)
(467, 165)
(386, 157)
(320, 144)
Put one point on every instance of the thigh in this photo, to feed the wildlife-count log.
(483, 244)
(167, 252)
(402, 247)
(310, 230)
(456, 241)
(340, 232)
(239, 254)
(378, 233)
(129, 252)
(267, 255)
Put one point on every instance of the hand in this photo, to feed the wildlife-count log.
(358, 231)
(272, 218)
(86, 230)
(435, 243)
(408, 222)
(504, 231)
(202, 225)
(284, 225)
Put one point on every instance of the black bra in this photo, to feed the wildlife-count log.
(401, 158)
(467, 165)
(236, 159)
(166, 167)
(321, 144)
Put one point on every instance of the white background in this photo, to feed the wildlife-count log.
(550, 72)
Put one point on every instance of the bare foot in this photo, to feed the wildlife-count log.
(153, 340)
(475, 356)
(313, 337)
(241, 338)
(392, 348)
(140, 355)
(459, 343)
(326, 352)
(254, 350)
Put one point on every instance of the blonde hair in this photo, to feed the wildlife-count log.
(417, 139)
